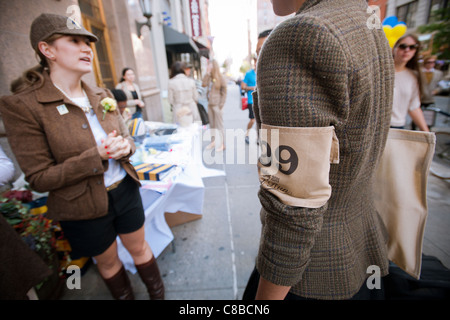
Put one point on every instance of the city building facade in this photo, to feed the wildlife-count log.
(414, 13)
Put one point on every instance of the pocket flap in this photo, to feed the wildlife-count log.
(71, 192)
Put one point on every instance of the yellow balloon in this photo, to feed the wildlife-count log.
(393, 34)
(399, 30)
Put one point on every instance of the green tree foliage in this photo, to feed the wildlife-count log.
(440, 26)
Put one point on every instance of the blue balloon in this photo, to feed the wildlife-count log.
(392, 21)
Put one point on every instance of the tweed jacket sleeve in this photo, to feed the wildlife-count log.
(302, 82)
(33, 153)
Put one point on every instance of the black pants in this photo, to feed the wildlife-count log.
(89, 238)
(363, 294)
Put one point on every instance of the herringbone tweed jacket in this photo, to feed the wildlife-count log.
(323, 67)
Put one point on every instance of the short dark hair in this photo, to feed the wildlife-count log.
(264, 34)
(177, 68)
(119, 95)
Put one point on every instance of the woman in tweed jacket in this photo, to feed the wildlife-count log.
(325, 67)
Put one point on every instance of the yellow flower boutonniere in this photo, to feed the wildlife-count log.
(108, 104)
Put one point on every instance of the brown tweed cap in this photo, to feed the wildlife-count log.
(48, 24)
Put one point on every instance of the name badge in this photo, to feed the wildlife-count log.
(62, 109)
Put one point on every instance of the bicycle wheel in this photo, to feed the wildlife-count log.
(442, 151)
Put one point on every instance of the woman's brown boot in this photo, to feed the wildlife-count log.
(149, 273)
(120, 285)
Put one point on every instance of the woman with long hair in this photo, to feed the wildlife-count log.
(128, 85)
(217, 95)
(71, 141)
(407, 89)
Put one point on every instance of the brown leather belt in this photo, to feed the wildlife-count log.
(114, 185)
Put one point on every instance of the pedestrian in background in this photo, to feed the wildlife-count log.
(130, 87)
(430, 81)
(70, 141)
(122, 99)
(217, 94)
(408, 84)
(248, 85)
(249, 82)
(188, 70)
(182, 92)
(323, 67)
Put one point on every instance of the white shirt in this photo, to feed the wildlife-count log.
(406, 97)
(115, 171)
(6, 168)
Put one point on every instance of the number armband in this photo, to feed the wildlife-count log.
(295, 163)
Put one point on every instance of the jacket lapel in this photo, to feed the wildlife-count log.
(48, 93)
(95, 95)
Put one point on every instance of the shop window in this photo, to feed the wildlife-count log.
(407, 13)
(94, 21)
(436, 5)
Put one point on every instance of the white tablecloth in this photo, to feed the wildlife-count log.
(186, 194)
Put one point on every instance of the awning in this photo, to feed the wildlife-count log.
(178, 42)
(203, 51)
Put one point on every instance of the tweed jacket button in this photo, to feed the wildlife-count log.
(99, 181)
(84, 126)
(95, 170)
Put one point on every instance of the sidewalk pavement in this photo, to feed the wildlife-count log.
(212, 258)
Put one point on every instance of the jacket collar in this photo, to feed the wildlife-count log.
(49, 93)
(308, 4)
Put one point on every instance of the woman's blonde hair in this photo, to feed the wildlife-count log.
(34, 75)
(216, 76)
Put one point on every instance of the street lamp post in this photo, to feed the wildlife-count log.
(146, 8)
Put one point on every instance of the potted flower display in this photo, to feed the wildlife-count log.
(38, 233)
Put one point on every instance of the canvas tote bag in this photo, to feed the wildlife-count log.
(400, 195)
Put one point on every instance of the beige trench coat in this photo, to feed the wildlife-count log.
(183, 93)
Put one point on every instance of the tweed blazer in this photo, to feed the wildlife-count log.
(326, 67)
(58, 153)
